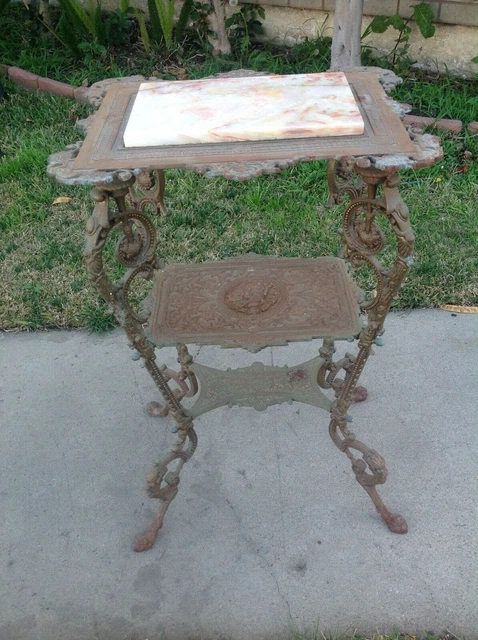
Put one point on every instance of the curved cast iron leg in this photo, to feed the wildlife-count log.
(146, 539)
(376, 464)
(394, 521)
(185, 380)
(162, 483)
(364, 241)
(369, 470)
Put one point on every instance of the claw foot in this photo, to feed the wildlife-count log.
(144, 541)
(156, 410)
(394, 522)
(359, 394)
(397, 524)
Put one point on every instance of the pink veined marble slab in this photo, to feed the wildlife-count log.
(243, 109)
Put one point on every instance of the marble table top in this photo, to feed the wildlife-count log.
(243, 109)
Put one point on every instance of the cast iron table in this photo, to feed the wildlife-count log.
(252, 302)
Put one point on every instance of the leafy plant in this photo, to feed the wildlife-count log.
(161, 15)
(198, 24)
(244, 26)
(118, 25)
(475, 61)
(79, 25)
(183, 19)
(422, 15)
(86, 20)
(144, 35)
(91, 50)
(87, 28)
(3, 5)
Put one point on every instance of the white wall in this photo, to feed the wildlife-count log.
(452, 47)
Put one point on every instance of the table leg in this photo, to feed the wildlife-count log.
(364, 241)
(187, 384)
(135, 250)
(149, 189)
(162, 483)
(343, 180)
(346, 441)
(327, 378)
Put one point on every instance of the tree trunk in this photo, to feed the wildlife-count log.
(346, 36)
(221, 44)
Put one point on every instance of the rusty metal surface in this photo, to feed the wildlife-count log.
(428, 151)
(258, 386)
(60, 167)
(253, 302)
(103, 148)
(253, 298)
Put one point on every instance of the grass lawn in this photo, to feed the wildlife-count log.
(42, 277)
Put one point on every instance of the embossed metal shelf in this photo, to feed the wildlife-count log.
(258, 386)
(103, 148)
(253, 302)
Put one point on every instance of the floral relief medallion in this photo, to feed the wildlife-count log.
(252, 297)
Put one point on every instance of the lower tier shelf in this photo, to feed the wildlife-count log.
(258, 386)
(253, 302)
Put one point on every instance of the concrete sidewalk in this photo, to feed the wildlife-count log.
(270, 532)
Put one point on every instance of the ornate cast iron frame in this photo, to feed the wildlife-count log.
(372, 184)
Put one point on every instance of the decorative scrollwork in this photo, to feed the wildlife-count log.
(149, 189)
(327, 377)
(160, 475)
(185, 379)
(361, 233)
(186, 389)
(185, 359)
(145, 271)
(138, 242)
(343, 180)
(162, 483)
(370, 471)
(135, 250)
(364, 239)
(377, 471)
